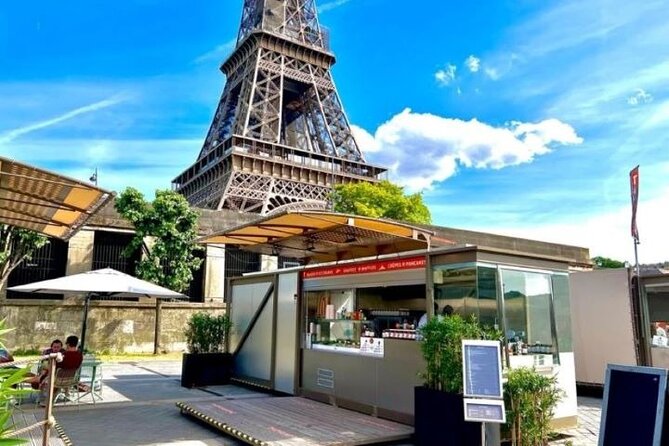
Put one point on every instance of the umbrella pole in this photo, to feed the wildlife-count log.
(83, 326)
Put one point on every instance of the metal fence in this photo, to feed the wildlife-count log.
(48, 262)
(108, 248)
(238, 262)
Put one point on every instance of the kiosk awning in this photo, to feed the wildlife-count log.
(324, 236)
(44, 201)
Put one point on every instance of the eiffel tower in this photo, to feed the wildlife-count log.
(279, 139)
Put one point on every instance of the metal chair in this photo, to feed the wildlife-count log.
(66, 386)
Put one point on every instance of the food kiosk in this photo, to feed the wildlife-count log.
(346, 332)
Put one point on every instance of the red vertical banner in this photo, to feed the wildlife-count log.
(634, 188)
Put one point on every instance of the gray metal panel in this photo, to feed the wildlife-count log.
(254, 359)
(245, 300)
(409, 277)
(287, 341)
(387, 382)
(348, 376)
(398, 375)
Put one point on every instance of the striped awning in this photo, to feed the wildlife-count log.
(318, 236)
(44, 201)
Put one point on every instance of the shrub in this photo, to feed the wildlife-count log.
(530, 403)
(207, 333)
(9, 377)
(442, 349)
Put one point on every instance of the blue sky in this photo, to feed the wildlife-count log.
(515, 117)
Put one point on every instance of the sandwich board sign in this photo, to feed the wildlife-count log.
(633, 408)
(482, 377)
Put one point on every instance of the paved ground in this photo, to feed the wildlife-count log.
(139, 410)
(587, 433)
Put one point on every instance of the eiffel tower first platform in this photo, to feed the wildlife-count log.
(280, 139)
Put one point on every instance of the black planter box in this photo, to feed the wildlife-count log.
(205, 369)
(440, 420)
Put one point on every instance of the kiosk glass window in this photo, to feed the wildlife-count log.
(658, 314)
(562, 311)
(528, 311)
(469, 289)
(456, 286)
(487, 296)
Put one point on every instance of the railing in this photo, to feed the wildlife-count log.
(49, 420)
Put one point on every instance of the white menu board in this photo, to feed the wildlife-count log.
(482, 369)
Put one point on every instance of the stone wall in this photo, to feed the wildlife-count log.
(112, 326)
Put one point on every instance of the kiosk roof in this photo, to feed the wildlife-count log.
(44, 201)
(319, 236)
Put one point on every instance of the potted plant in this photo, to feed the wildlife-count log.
(530, 400)
(207, 363)
(438, 404)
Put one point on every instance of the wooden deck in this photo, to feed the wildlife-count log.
(288, 421)
(34, 436)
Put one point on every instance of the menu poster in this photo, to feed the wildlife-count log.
(371, 346)
(482, 369)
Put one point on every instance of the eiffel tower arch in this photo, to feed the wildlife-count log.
(279, 138)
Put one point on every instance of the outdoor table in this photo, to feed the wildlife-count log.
(94, 391)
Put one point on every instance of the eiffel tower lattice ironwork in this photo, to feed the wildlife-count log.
(279, 138)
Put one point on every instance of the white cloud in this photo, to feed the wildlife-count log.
(575, 23)
(332, 5)
(473, 63)
(15, 133)
(154, 162)
(608, 234)
(218, 53)
(640, 96)
(422, 149)
(445, 75)
(492, 73)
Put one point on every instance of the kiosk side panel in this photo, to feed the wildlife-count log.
(602, 323)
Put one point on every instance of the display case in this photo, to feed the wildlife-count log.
(340, 332)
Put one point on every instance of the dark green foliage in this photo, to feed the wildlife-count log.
(530, 400)
(207, 333)
(605, 262)
(442, 349)
(170, 261)
(9, 377)
(380, 200)
(17, 245)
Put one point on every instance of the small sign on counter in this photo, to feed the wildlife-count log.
(486, 411)
(371, 346)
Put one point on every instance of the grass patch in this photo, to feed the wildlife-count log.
(122, 357)
(117, 357)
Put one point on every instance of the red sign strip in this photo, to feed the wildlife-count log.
(366, 267)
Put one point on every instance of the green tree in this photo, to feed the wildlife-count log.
(170, 261)
(605, 262)
(380, 200)
(17, 245)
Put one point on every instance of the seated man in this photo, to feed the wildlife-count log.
(72, 359)
(56, 346)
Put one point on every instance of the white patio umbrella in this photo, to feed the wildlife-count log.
(105, 282)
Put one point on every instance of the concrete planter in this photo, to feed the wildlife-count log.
(206, 369)
(439, 420)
